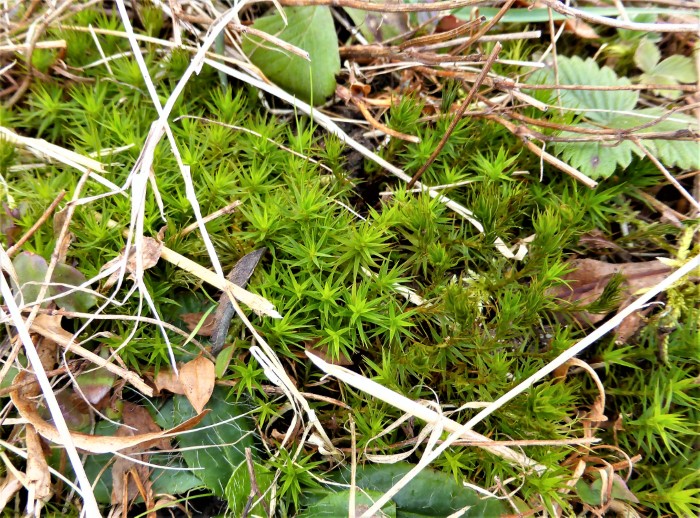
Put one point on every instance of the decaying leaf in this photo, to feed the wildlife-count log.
(90, 443)
(150, 256)
(131, 479)
(8, 488)
(96, 383)
(587, 281)
(166, 379)
(192, 320)
(198, 378)
(38, 476)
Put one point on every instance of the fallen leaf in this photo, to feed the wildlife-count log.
(129, 478)
(166, 379)
(38, 476)
(585, 284)
(150, 254)
(192, 320)
(198, 378)
(96, 383)
(9, 487)
(322, 352)
(89, 443)
(581, 29)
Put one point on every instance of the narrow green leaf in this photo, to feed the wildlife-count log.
(311, 29)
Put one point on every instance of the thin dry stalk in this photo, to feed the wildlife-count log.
(38, 223)
(458, 116)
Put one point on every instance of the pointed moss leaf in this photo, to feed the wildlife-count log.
(430, 493)
(217, 447)
(238, 490)
(597, 105)
(647, 55)
(311, 29)
(337, 504)
(31, 271)
(68, 276)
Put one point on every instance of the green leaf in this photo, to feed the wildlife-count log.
(661, 80)
(78, 300)
(680, 68)
(337, 504)
(647, 55)
(217, 447)
(311, 29)
(598, 106)
(238, 490)
(595, 159)
(31, 271)
(430, 493)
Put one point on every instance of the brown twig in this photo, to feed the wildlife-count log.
(525, 135)
(387, 7)
(254, 488)
(11, 251)
(503, 10)
(442, 36)
(458, 116)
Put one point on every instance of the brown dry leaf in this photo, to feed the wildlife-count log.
(130, 478)
(322, 352)
(581, 29)
(191, 320)
(588, 280)
(198, 378)
(38, 476)
(167, 380)
(8, 488)
(151, 252)
(90, 443)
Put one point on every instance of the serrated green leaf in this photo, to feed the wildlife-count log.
(661, 80)
(238, 489)
(680, 68)
(598, 106)
(430, 493)
(337, 504)
(595, 159)
(311, 29)
(647, 55)
(217, 447)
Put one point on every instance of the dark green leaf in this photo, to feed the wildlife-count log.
(337, 504)
(238, 489)
(311, 29)
(217, 447)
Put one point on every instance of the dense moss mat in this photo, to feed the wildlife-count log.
(488, 322)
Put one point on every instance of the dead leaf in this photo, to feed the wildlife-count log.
(198, 378)
(38, 476)
(581, 29)
(130, 479)
(192, 320)
(87, 442)
(166, 379)
(322, 352)
(585, 284)
(150, 255)
(8, 488)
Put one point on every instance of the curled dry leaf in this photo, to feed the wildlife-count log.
(8, 488)
(198, 378)
(166, 379)
(192, 320)
(151, 252)
(38, 476)
(125, 486)
(90, 443)
(585, 284)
